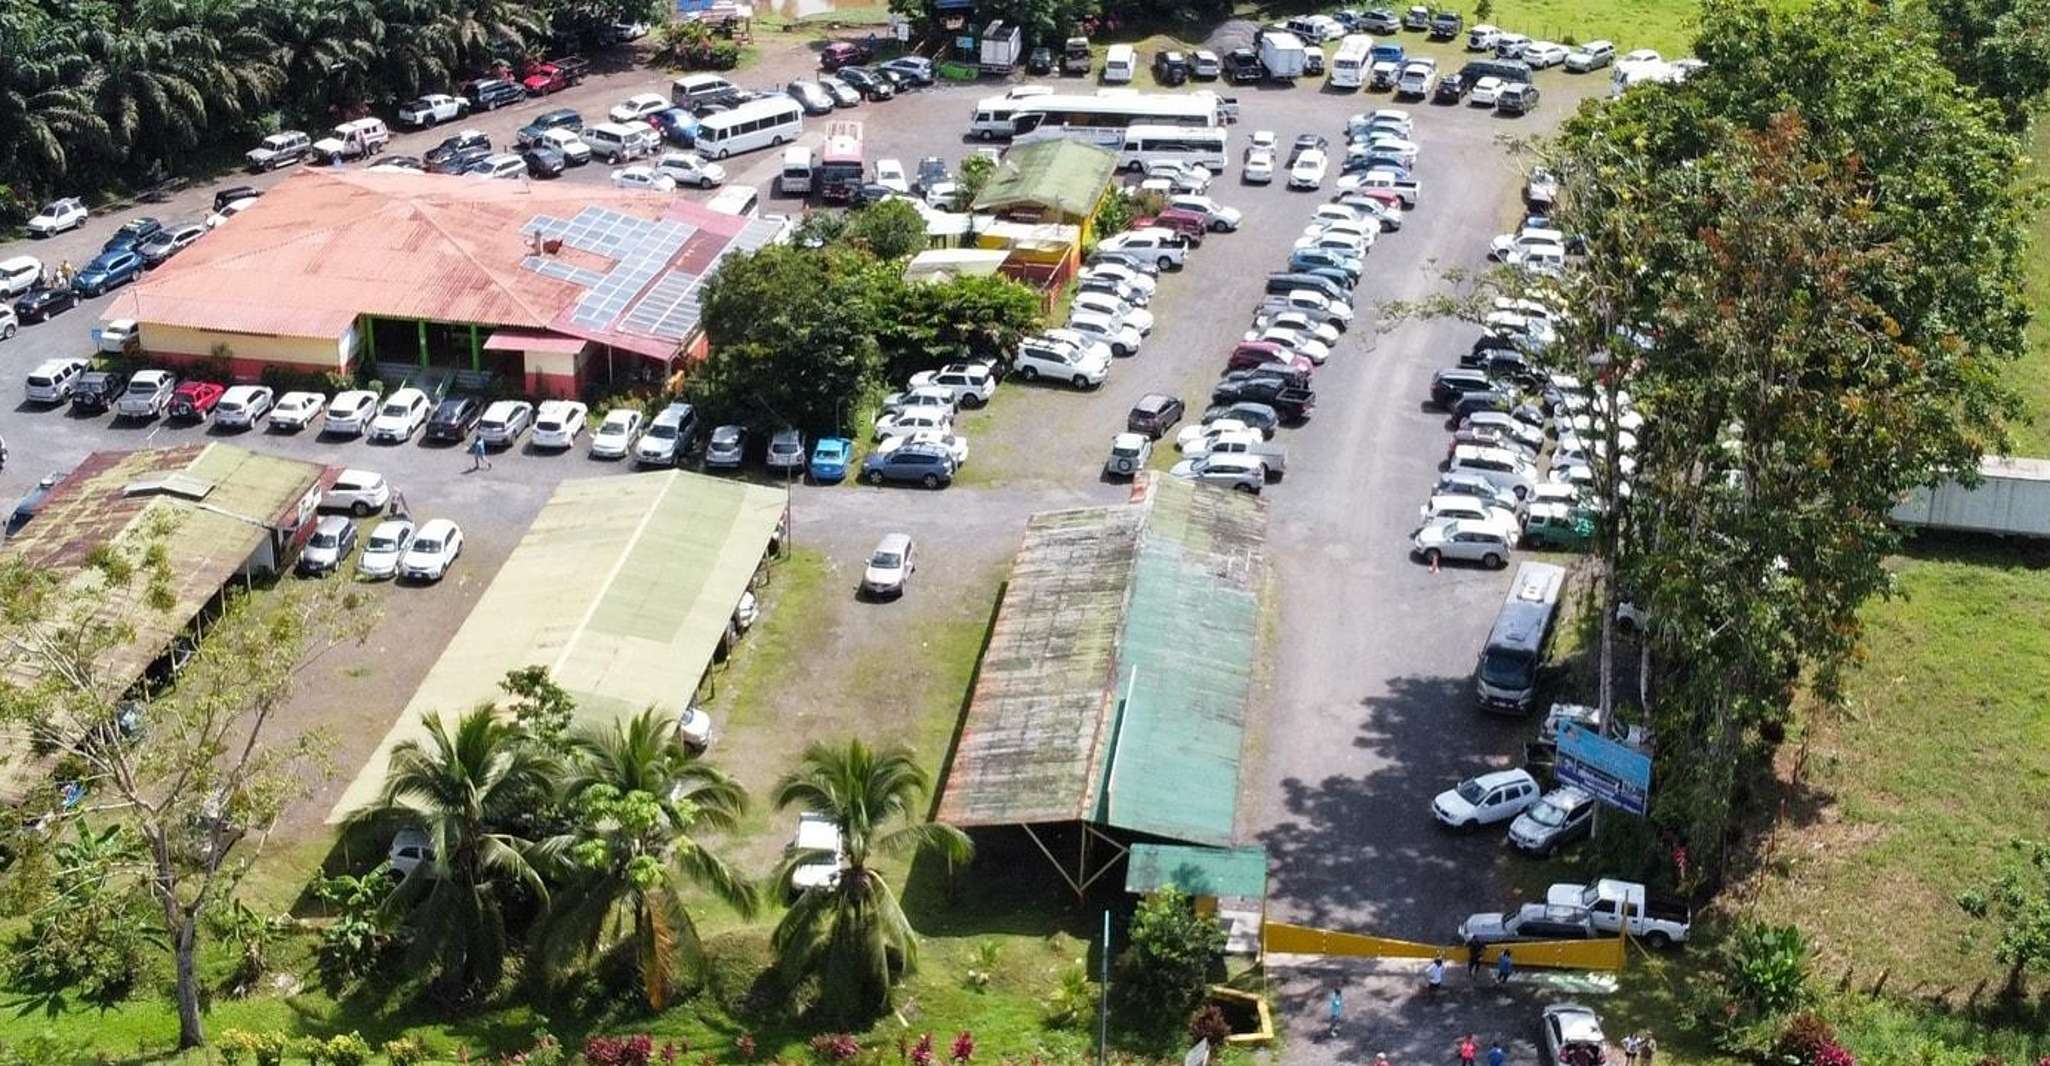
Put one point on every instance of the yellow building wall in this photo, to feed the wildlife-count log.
(313, 354)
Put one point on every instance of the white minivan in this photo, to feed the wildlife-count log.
(1120, 61)
(796, 176)
(616, 143)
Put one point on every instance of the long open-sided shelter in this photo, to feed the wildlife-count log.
(1113, 694)
(623, 588)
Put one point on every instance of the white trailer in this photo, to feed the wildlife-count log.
(2011, 499)
(1001, 45)
(1283, 56)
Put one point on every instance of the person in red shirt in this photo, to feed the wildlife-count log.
(1468, 1048)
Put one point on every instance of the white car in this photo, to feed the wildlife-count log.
(1522, 432)
(558, 423)
(401, 416)
(1486, 91)
(1485, 512)
(819, 837)
(1312, 305)
(1542, 54)
(1103, 303)
(1229, 432)
(1309, 169)
(1589, 56)
(297, 410)
(359, 492)
(350, 412)
(1131, 279)
(1129, 454)
(940, 195)
(502, 167)
(1240, 472)
(1400, 148)
(1354, 238)
(1326, 333)
(1194, 434)
(972, 384)
(243, 405)
(912, 420)
(19, 274)
(637, 108)
(1540, 260)
(644, 178)
(890, 175)
(504, 421)
(1294, 343)
(1474, 542)
(432, 109)
(58, 216)
(52, 380)
(1505, 243)
(1168, 250)
(1218, 217)
(1640, 55)
(574, 151)
(386, 546)
(685, 168)
(1062, 359)
(230, 210)
(1571, 1029)
(434, 549)
(1121, 337)
(615, 436)
(1489, 799)
(1263, 139)
(953, 444)
(1181, 177)
(938, 399)
(1259, 168)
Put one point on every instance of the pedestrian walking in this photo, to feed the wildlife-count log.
(1337, 1008)
(1434, 976)
(1646, 1046)
(478, 458)
(1630, 1050)
(1496, 1056)
(1380, 1058)
(1473, 958)
(1468, 1048)
(1503, 968)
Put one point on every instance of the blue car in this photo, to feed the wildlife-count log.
(829, 458)
(677, 126)
(108, 270)
(1312, 259)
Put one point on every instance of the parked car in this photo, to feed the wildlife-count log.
(843, 94)
(644, 178)
(42, 304)
(543, 160)
(243, 406)
(387, 545)
(811, 96)
(281, 149)
(334, 537)
(668, 438)
(1050, 357)
(193, 401)
(685, 168)
(162, 245)
(922, 464)
(499, 165)
(97, 390)
(504, 421)
(490, 94)
(1573, 1035)
(1483, 542)
(829, 457)
(457, 152)
(1592, 55)
(785, 452)
(1558, 818)
(1259, 167)
(297, 410)
(1517, 99)
(867, 82)
(1531, 921)
(1129, 454)
(432, 109)
(57, 216)
(839, 54)
(435, 548)
(615, 436)
(1154, 414)
(398, 418)
(918, 70)
(726, 448)
(1240, 473)
(558, 423)
(637, 108)
(973, 384)
(1308, 170)
(147, 395)
(890, 566)
(52, 380)
(108, 270)
(1488, 799)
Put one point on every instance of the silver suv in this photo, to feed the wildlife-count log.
(668, 436)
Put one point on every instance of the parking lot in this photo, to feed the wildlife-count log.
(1367, 708)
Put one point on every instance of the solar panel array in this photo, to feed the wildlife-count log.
(561, 271)
(670, 309)
(642, 249)
(756, 234)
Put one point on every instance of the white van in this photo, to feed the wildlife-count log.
(693, 89)
(740, 200)
(1119, 63)
(615, 143)
(796, 176)
(993, 117)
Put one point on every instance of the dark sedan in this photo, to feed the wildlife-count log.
(1154, 414)
(867, 82)
(37, 305)
(922, 464)
(454, 418)
(543, 160)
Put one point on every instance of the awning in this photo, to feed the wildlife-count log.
(528, 340)
(1198, 871)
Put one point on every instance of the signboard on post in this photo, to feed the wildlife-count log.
(1198, 1055)
(1612, 772)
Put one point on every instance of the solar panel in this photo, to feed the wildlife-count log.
(561, 271)
(669, 309)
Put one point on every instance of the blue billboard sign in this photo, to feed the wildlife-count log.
(1612, 772)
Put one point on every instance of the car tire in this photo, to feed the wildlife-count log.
(1658, 940)
(7, 333)
(1491, 561)
(1081, 381)
(361, 509)
(1029, 373)
(1433, 556)
(1164, 263)
(875, 477)
(931, 481)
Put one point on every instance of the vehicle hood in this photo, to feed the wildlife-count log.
(1449, 801)
(1487, 925)
(1564, 895)
(380, 560)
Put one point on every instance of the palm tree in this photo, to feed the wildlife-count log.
(149, 101)
(852, 934)
(46, 110)
(487, 31)
(638, 797)
(462, 789)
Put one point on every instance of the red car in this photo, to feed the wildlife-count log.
(1187, 223)
(540, 79)
(1251, 354)
(844, 54)
(195, 400)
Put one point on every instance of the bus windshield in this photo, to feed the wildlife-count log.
(1508, 669)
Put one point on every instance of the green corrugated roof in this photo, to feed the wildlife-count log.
(1197, 871)
(1059, 175)
(622, 587)
(1114, 686)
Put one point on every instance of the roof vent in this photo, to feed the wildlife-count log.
(1533, 588)
(183, 486)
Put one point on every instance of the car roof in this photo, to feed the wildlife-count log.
(439, 527)
(894, 542)
(1498, 778)
(331, 523)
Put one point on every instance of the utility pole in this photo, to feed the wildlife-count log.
(1103, 998)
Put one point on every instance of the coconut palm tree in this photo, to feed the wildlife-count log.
(488, 31)
(852, 934)
(462, 788)
(638, 797)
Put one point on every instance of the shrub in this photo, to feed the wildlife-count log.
(405, 1051)
(1805, 1035)
(342, 1049)
(1073, 1000)
(1209, 1025)
(835, 1047)
(633, 1050)
(1172, 954)
(264, 1049)
(740, 970)
(1767, 967)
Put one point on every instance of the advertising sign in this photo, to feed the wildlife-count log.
(1614, 773)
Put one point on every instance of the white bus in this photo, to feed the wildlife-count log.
(1506, 677)
(1349, 66)
(1195, 145)
(1102, 119)
(752, 125)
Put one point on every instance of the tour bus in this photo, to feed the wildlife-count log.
(841, 169)
(752, 125)
(1102, 119)
(1195, 145)
(1505, 678)
(795, 178)
(1349, 67)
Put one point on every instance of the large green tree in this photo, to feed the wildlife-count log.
(1999, 47)
(639, 799)
(852, 935)
(465, 787)
(793, 337)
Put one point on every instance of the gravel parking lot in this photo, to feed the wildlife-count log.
(1368, 709)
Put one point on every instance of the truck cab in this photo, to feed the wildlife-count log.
(1075, 57)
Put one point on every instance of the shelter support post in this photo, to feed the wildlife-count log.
(1083, 876)
(370, 337)
(423, 340)
(476, 349)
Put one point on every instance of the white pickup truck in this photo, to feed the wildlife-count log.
(1242, 442)
(1661, 921)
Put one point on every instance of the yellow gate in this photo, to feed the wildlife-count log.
(1603, 954)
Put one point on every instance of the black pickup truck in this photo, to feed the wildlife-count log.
(1292, 403)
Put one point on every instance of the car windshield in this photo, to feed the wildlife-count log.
(396, 408)
(886, 560)
(384, 542)
(142, 386)
(1124, 451)
(325, 540)
(1547, 814)
(1471, 791)
(428, 546)
(612, 429)
(662, 431)
(1506, 669)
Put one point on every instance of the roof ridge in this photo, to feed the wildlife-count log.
(489, 276)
